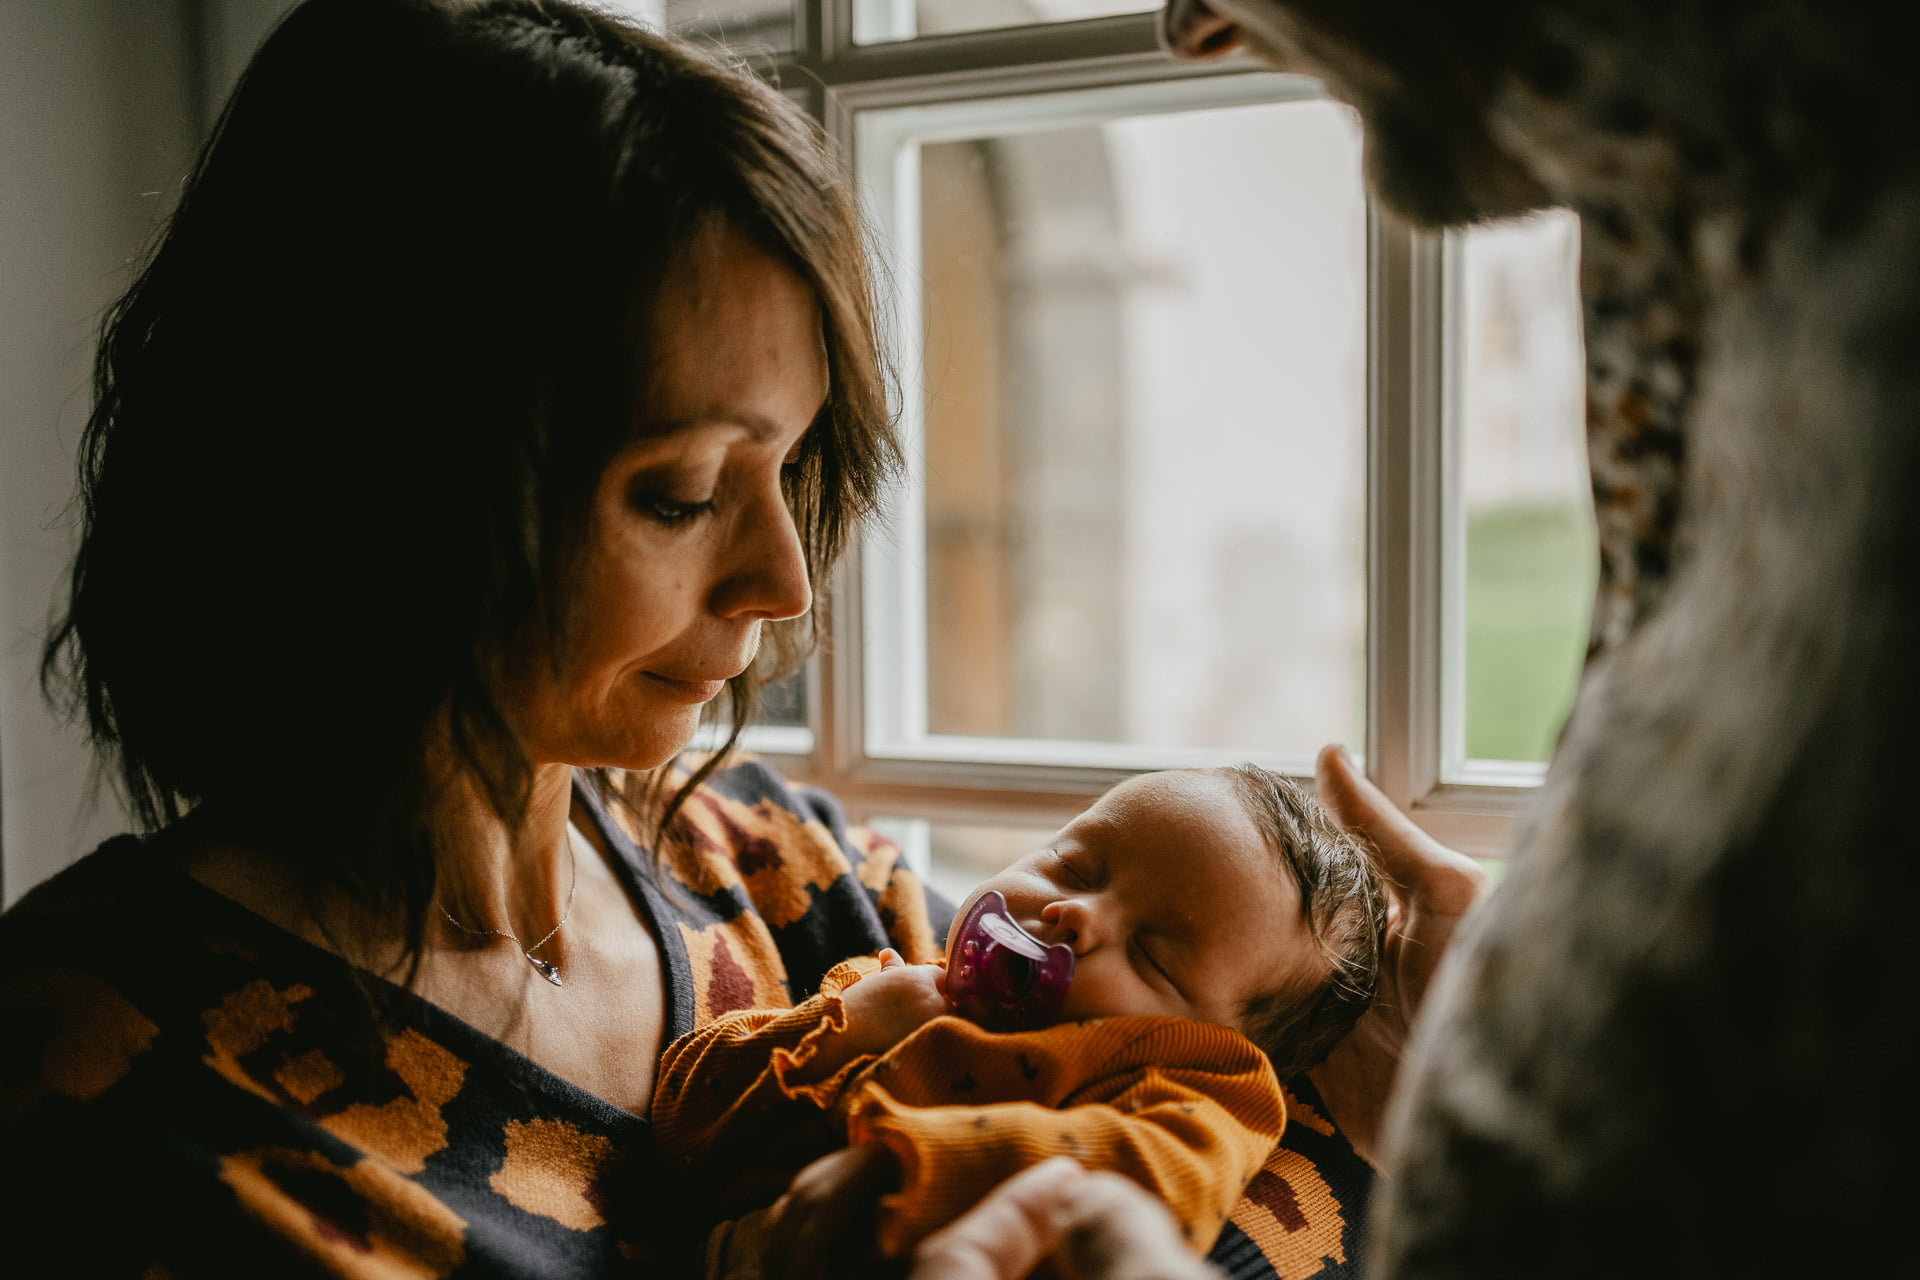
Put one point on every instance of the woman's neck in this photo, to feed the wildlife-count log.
(494, 878)
(519, 879)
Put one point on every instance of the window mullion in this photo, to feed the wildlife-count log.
(823, 29)
(1411, 491)
(1404, 498)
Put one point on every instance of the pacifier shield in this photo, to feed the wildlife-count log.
(1001, 976)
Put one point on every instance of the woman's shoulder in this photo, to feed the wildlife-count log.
(744, 824)
(121, 878)
(239, 1096)
(769, 886)
(94, 966)
(122, 932)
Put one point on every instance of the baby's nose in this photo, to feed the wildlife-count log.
(1067, 921)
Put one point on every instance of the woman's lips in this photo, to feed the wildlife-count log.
(689, 690)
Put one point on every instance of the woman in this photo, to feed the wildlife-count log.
(502, 383)
(486, 410)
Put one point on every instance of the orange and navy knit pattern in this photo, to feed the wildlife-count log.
(187, 1090)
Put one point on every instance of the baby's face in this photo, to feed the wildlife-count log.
(1169, 897)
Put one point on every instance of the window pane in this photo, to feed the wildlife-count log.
(1530, 557)
(744, 26)
(954, 857)
(879, 20)
(1144, 379)
(784, 702)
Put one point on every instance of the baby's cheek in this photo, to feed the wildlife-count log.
(1099, 991)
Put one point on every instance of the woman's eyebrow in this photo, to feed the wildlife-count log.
(759, 429)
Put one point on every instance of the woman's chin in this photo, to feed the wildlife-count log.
(663, 737)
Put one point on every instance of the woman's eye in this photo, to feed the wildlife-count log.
(668, 512)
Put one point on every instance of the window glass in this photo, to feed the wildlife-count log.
(784, 702)
(881, 20)
(954, 857)
(742, 26)
(1144, 407)
(1528, 518)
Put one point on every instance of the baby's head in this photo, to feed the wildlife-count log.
(1226, 895)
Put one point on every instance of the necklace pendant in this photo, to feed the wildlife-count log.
(548, 971)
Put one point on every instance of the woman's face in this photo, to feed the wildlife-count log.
(690, 546)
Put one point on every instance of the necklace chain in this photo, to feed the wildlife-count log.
(545, 968)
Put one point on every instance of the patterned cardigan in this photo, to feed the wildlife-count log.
(188, 1090)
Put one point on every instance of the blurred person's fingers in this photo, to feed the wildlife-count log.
(1363, 809)
(1006, 1235)
(1113, 1229)
(1430, 889)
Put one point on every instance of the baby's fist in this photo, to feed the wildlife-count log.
(885, 1008)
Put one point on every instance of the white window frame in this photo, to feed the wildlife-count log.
(1413, 747)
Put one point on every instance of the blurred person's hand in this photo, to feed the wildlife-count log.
(1091, 1226)
(1430, 887)
(826, 1225)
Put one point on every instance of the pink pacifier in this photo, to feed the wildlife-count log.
(1001, 976)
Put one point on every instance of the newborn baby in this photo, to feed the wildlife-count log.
(1197, 936)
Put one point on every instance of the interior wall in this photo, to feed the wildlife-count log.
(97, 122)
(101, 106)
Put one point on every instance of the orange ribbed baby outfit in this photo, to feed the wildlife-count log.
(1188, 1109)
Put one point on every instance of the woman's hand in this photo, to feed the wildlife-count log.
(1093, 1226)
(1430, 888)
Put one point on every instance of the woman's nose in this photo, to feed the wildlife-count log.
(765, 578)
(1190, 29)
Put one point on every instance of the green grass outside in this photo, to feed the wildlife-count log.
(1530, 580)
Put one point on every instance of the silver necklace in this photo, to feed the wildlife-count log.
(545, 968)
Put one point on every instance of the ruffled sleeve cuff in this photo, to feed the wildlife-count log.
(830, 1019)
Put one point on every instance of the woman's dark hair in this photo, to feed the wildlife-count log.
(1344, 903)
(350, 415)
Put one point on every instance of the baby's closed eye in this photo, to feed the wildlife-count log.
(1153, 966)
(1070, 871)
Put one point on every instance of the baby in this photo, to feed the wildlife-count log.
(1198, 936)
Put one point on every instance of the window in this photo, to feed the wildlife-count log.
(1210, 459)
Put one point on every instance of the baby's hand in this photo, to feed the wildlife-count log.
(885, 1008)
(881, 1009)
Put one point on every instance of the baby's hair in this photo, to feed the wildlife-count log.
(1344, 902)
